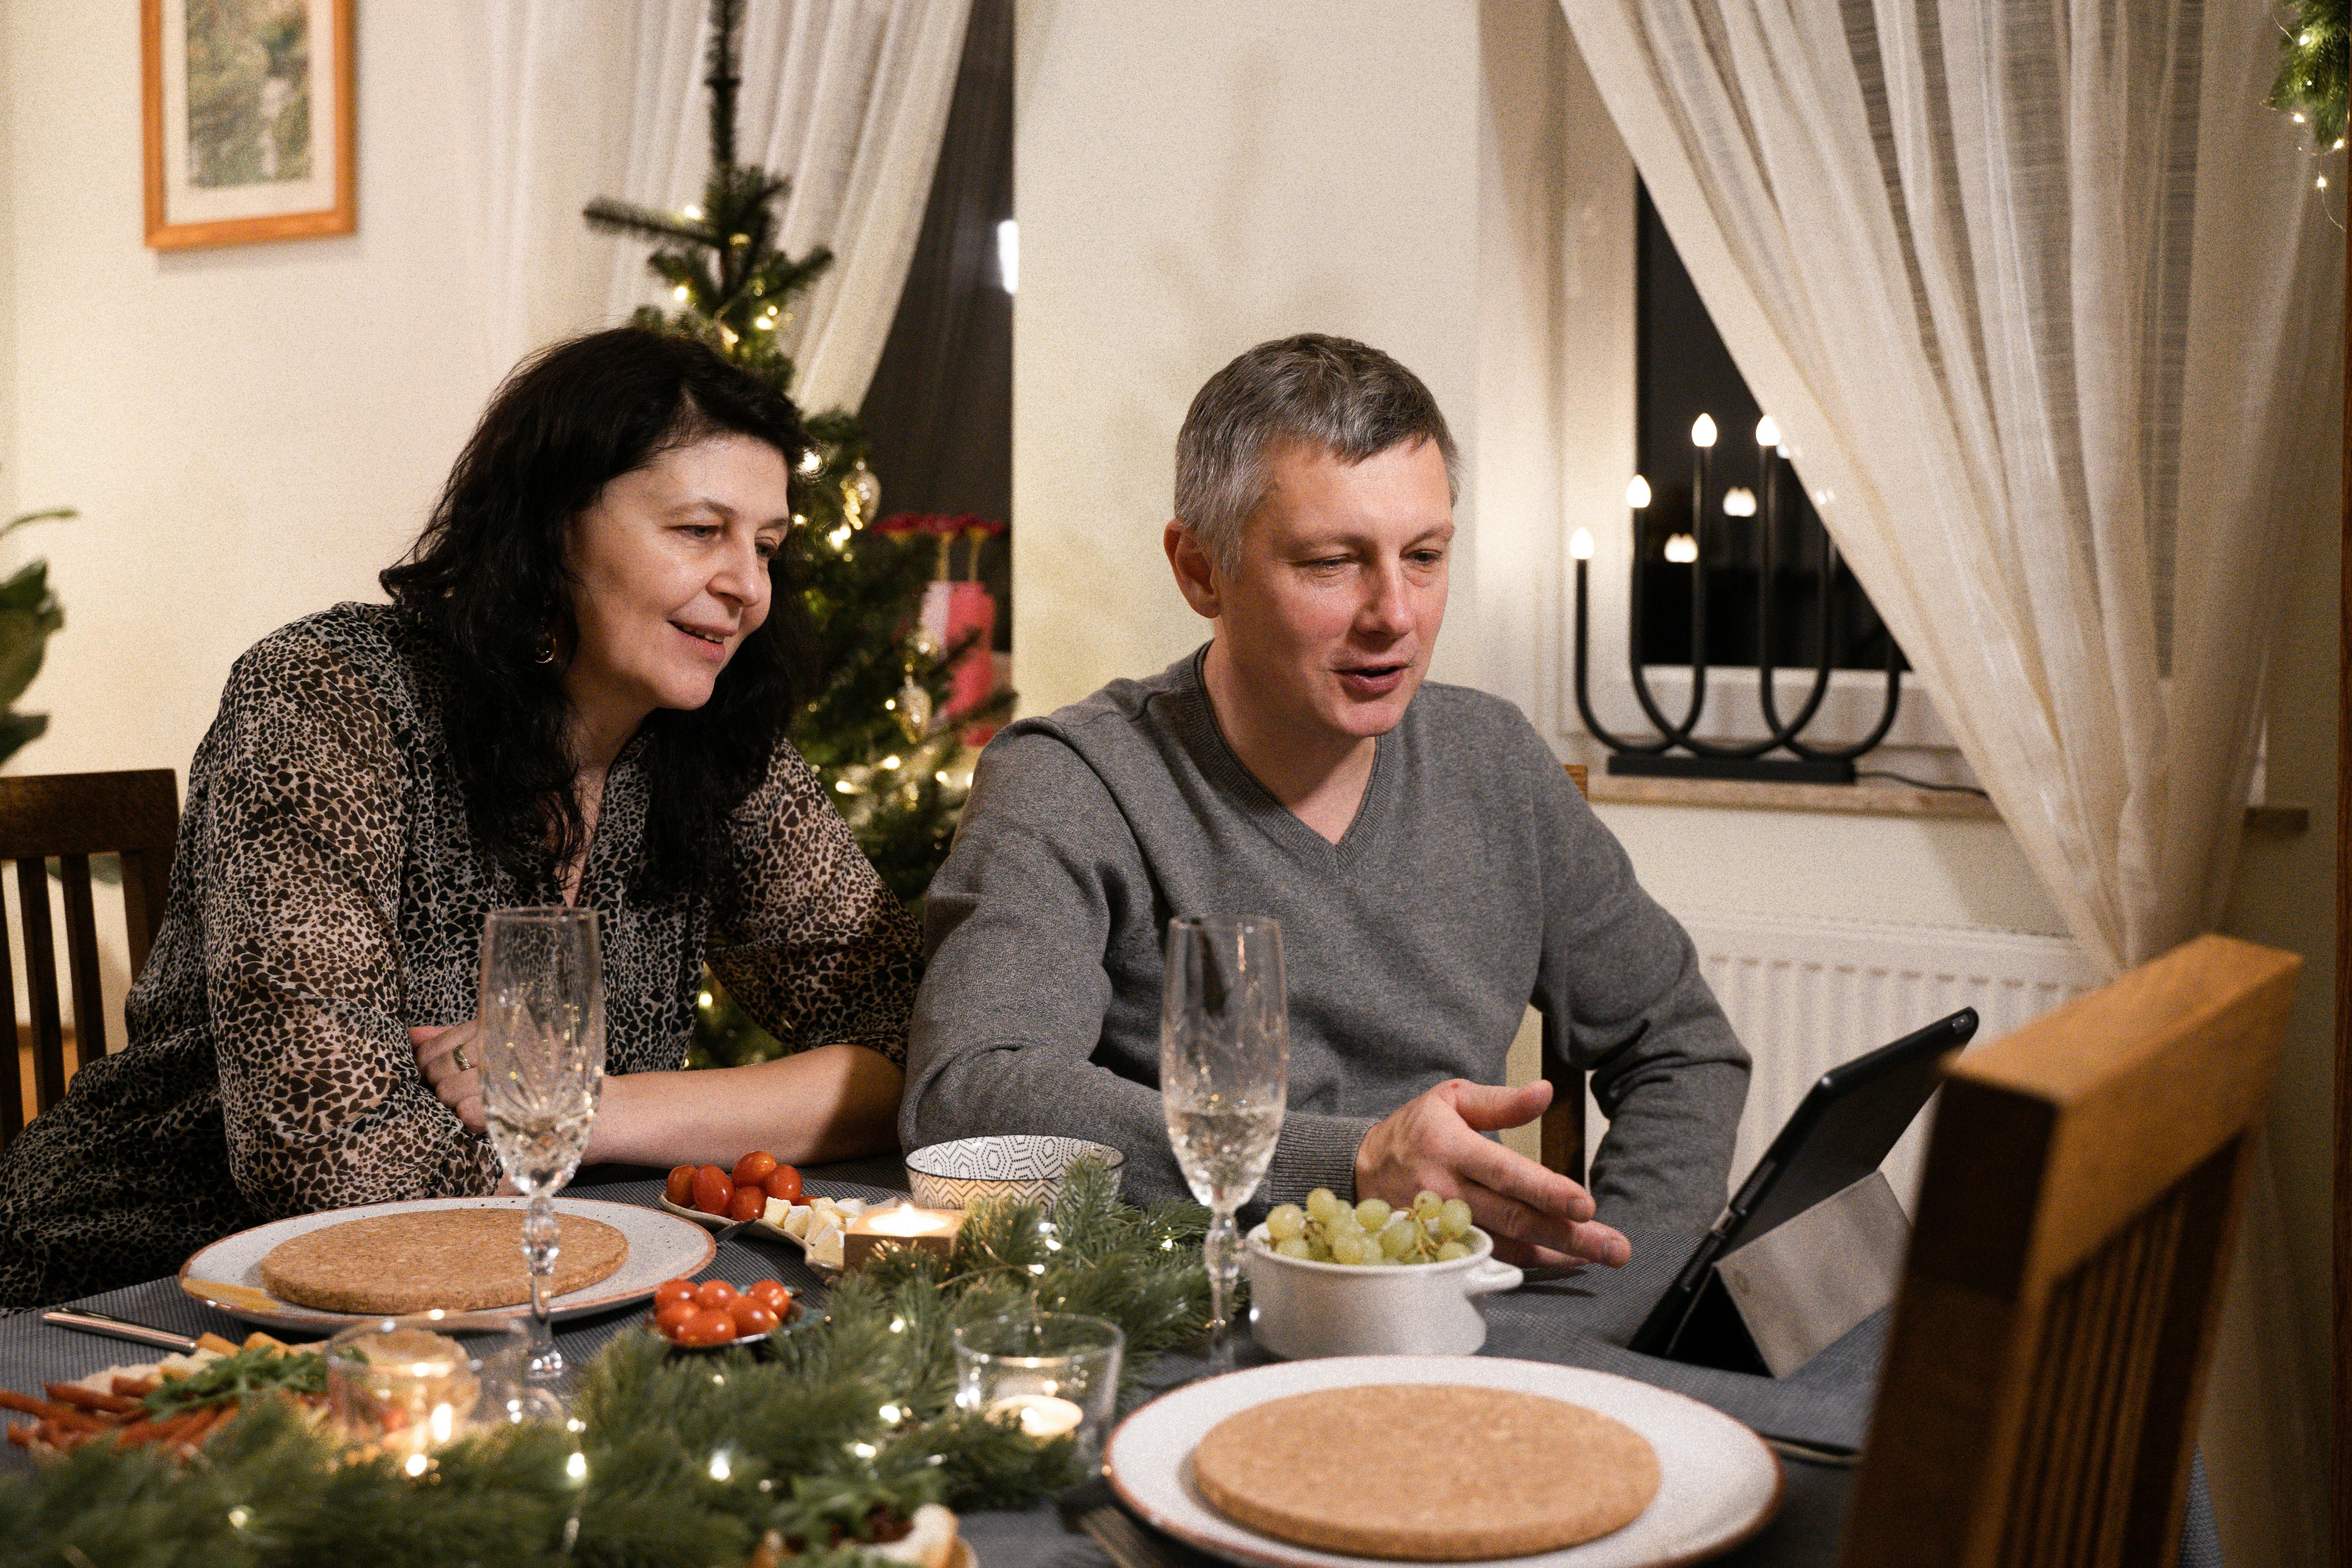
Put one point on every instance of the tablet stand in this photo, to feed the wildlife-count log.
(1772, 1304)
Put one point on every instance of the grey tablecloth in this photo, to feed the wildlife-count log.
(1571, 1321)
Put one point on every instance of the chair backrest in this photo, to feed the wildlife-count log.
(68, 817)
(2082, 1193)
(1563, 1119)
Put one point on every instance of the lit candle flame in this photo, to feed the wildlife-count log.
(1682, 550)
(1637, 493)
(1703, 431)
(1768, 431)
(1740, 501)
(1579, 544)
(905, 1220)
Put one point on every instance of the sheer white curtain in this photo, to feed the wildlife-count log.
(847, 98)
(2045, 303)
(2039, 294)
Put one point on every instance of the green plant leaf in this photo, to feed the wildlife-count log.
(18, 731)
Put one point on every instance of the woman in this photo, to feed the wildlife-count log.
(578, 694)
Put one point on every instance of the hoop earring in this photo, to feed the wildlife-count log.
(543, 651)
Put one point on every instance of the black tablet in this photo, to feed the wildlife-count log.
(1846, 1124)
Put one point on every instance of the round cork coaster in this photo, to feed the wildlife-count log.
(461, 1259)
(1426, 1472)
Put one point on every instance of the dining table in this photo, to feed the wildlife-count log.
(1815, 1419)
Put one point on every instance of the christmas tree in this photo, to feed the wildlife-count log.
(867, 726)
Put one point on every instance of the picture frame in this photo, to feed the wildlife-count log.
(249, 120)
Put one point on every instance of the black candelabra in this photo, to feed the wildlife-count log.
(1677, 751)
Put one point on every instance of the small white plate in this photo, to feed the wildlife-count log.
(660, 1247)
(1717, 1483)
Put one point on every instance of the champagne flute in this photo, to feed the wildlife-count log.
(1225, 1065)
(543, 1046)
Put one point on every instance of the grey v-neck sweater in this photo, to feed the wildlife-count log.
(1473, 881)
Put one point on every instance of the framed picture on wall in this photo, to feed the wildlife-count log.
(248, 111)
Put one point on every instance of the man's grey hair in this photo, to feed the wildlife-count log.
(1325, 394)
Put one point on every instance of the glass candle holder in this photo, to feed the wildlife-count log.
(1054, 1372)
(408, 1387)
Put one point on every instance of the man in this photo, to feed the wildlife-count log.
(1433, 868)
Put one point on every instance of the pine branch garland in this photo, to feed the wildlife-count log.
(2315, 44)
(688, 1460)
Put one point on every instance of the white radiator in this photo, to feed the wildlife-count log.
(1806, 995)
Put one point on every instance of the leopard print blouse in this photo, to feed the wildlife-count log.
(326, 896)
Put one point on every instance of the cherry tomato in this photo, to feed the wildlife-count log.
(711, 1326)
(713, 1189)
(670, 1290)
(754, 1168)
(672, 1316)
(749, 1202)
(784, 1183)
(716, 1293)
(773, 1294)
(680, 1190)
(750, 1317)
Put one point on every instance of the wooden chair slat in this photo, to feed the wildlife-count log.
(81, 961)
(41, 982)
(1563, 1119)
(2058, 1303)
(72, 818)
(146, 883)
(12, 1082)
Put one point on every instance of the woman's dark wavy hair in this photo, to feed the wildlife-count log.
(491, 579)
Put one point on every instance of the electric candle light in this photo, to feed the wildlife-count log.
(1042, 1416)
(882, 1230)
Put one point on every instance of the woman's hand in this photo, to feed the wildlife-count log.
(446, 1058)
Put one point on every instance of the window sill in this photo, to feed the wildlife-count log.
(1872, 797)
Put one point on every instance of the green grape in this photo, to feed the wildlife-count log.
(1452, 1250)
(1318, 1249)
(1322, 1204)
(1294, 1247)
(1455, 1220)
(1350, 1247)
(1401, 1237)
(1372, 1214)
(1344, 1223)
(1286, 1222)
(1426, 1207)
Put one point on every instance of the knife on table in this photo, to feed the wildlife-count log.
(90, 1322)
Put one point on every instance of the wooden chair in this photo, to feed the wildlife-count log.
(69, 818)
(1563, 1119)
(2058, 1308)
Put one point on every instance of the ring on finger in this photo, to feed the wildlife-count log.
(465, 1063)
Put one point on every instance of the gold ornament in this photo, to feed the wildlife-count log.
(861, 494)
(914, 710)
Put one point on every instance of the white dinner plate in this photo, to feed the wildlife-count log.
(1717, 1483)
(660, 1247)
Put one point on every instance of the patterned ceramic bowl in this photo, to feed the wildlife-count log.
(1025, 1167)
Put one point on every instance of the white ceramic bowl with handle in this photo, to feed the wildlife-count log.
(1299, 1308)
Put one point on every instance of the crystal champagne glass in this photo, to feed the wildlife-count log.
(1225, 1065)
(542, 1048)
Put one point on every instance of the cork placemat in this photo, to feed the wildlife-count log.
(1426, 1472)
(461, 1259)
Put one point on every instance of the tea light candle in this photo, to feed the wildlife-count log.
(881, 1230)
(1041, 1415)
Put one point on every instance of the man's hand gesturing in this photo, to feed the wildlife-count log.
(1536, 1216)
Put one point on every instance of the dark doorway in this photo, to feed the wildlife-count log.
(940, 411)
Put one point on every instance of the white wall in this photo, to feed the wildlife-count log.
(1196, 179)
(250, 432)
